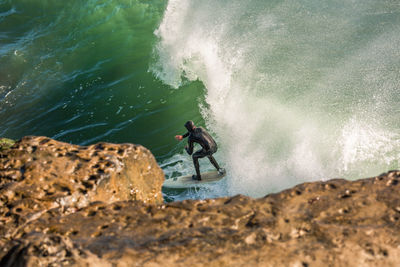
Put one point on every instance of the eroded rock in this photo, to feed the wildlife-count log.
(331, 223)
(38, 174)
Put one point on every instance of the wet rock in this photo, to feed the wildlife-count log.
(331, 223)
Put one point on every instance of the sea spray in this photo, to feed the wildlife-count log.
(295, 90)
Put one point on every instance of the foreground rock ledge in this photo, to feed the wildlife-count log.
(70, 175)
(38, 174)
(332, 223)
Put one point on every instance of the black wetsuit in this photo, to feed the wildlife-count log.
(204, 139)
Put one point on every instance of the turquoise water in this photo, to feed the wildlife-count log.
(293, 91)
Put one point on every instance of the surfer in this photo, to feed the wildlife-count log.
(204, 139)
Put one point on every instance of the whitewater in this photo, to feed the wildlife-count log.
(295, 91)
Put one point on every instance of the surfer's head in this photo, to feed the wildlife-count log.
(189, 126)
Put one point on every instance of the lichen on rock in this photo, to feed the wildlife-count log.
(6, 143)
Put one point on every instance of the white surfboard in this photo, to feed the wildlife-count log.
(187, 181)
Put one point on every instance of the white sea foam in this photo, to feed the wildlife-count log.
(296, 91)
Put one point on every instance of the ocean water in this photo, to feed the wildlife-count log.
(292, 91)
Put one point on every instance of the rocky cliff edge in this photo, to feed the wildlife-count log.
(65, 205)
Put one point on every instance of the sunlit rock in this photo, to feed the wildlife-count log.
(38, 174)
(332, 223)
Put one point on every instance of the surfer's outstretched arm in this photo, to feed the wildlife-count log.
(180, 137)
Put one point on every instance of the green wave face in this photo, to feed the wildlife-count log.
(78, 71)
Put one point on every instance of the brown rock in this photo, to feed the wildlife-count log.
(38, 174)
(332, 223)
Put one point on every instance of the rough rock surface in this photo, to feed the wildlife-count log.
(38, 174)
(331, 223)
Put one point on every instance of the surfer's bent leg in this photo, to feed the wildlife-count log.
(199, 154)
(214, 162)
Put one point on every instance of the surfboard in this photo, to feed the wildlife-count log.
(187, 181)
